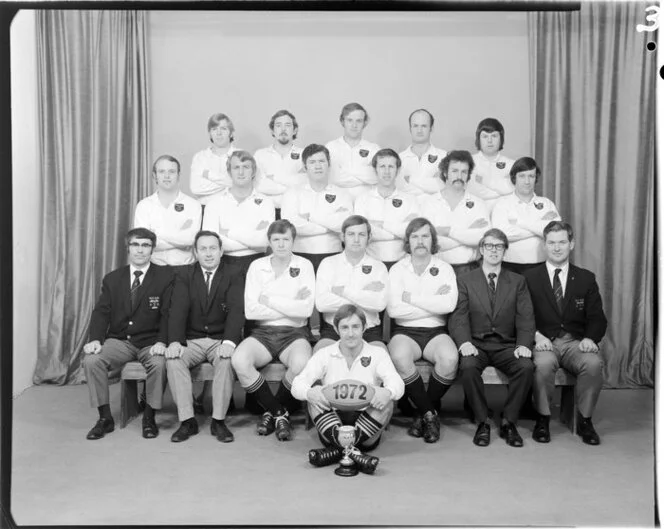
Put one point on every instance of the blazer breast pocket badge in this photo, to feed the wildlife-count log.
(579, 303)
(153, 302)
(224, 308)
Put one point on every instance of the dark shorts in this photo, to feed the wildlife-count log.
(373, 334)
(421, 335)
(461, 269)
(519, 268)
(276, 338)
(315, 258)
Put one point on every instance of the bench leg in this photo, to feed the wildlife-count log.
(568, 407)
(128, 401)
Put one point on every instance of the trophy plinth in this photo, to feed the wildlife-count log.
(346, 438)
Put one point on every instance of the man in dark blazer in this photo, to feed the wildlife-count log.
(205, 324)
(570, 324)
(129, 322)
(493, 324)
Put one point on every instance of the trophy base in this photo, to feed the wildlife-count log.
(346, 471)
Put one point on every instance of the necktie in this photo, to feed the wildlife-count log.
(134, 288)
(558, 289)
(208, 275)
(492, 288)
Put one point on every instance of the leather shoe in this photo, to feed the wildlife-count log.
(416, 427)
(283, 428)
(321, 457)
(100, 429)
(185, 431)
(150, 430)
(586, 431)
(266, 425)
(541, 432)
(365, 463)
(509, 432)
(431, 430)
(221, 432)
(482, 434)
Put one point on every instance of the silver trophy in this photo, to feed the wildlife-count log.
(346, 439)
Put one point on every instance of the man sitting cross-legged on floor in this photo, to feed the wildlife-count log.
(349, 358)
(279, 294)
(205, 323)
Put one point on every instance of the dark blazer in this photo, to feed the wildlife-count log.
(582, 314)
(147, 324)
(194, 314)
(512, 317)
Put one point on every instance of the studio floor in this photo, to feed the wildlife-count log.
(60, 478)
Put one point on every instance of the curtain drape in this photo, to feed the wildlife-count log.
(92, 79)
(594, 129)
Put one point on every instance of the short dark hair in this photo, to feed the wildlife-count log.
(216, 119)
(456, 156)
(168, 158)
(385, 153)
(280, 113)
(243, 156)
(559, 225)
(314, 148)
(281, 226)
(346, 311)
(490, 125)
(498, 234)
(352, 107)
(420, 110)
(206, 233)
(415, 225)
(141, 233)
(355, 220)
(525, 163)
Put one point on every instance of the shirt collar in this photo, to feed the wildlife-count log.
(133, 269)
(551, 268)
(204, 270)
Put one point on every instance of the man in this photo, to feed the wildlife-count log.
(349, 358)
(352, 276)
(570, 324)
(493, 324)
(279, 295)
(460, 218)
(240, 214)
(129, 322)
(280, 165)
(205, 324)
(419, 175)
(173, 216)
(388, 209)
(351, 154)
(317, 209)
(423, 292)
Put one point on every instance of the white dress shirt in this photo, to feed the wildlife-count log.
(564, 269)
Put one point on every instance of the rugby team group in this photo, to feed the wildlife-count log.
(388, 257)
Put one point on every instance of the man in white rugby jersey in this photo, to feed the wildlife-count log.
(280, 164)
(279, 295)
(351, 154)
(423, 291)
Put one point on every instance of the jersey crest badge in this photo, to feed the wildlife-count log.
(366, 269)
(364, 153)
(396, 202)
(295, 155)
(330, 198)
(469, 204)
(294, 272)
(432, 158)
(179, 207)
(500, 165)
(365, 361)
(433, 271)
(258, 201)
(539, 205)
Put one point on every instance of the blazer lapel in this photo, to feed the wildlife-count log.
(569, 287)
(481, 287)
(201, 290)
(149, 276)
(502, 288)
(216, 279)
(126, 290)
(548, 288)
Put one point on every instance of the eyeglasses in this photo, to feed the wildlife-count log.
(144, 245)
(489, 246)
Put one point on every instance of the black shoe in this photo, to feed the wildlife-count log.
(199, 409)
(586, 430)
(541, 432)
(100, 429)
(185, 431)
(431, 430)
(150, 430)
(509, 432)
(416, 428)
(321, 457)
(221, 431)
(482, 434)
(266, 425)
(283, 428)
(364, 462)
